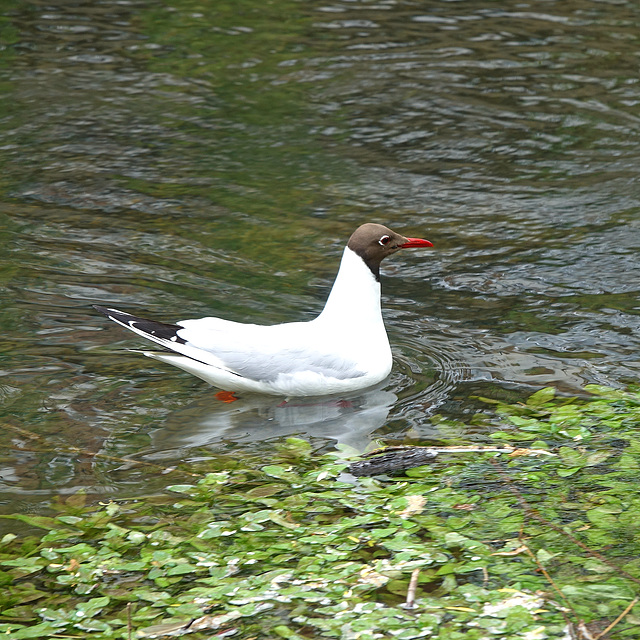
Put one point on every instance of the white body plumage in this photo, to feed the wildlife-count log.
(344, 349)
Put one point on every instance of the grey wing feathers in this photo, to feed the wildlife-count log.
(253, 351)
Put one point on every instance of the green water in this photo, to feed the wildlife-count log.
(192, 159)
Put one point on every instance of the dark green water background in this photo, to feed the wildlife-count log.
(185, 159)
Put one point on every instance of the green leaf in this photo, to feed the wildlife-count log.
(544, 556)
(69, 519)
(42, 630)
(281, 473)
(182, 488)
(597, 457)
(266, 490)
(41, 522)
(181, 569)
(541, 397)
(565, 473)
(599, 591)
(602, 518)
(112, 508)
(136, 537)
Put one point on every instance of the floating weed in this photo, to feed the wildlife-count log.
(471, 546)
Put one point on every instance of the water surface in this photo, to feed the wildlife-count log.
(184, 160)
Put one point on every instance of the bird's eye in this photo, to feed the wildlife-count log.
(384, 240)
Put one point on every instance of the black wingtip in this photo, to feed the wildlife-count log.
(115, 314)
(152, 329)
(103, 310)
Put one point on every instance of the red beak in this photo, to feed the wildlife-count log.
(415, 242)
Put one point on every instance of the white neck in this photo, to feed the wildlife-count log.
(355, 295)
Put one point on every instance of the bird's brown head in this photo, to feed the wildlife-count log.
(374, 242)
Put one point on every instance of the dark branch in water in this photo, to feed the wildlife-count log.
(406, 457)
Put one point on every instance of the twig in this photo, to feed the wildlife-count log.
(585, 634)
(400, 458)
(22, 432)
(104, 456)
(129, 623)
(546, 574)
(94, 454)
(411, 591)
(461, 449)
(618, 619)
(529, 510)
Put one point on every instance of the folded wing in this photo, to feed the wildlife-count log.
(251, 351)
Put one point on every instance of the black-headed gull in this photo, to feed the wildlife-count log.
(344, 349)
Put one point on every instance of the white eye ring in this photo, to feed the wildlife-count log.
(384, 240)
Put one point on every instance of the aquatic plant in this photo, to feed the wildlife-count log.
(469, 546)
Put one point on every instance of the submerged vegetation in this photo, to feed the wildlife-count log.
(471, 546)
